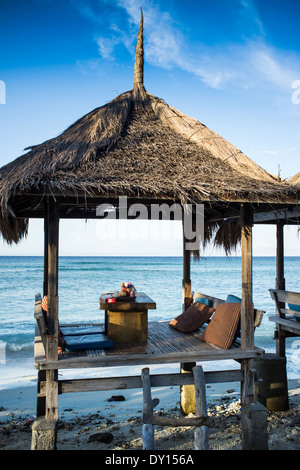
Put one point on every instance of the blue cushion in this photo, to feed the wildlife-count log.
(296, 308)
(80, 330)
(202, 300)
(87, 342)
(232, 299)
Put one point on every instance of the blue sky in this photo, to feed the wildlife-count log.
(231, 64)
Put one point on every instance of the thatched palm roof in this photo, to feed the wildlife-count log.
(295, 179)
(140, 147)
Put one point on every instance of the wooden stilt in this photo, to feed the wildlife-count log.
(201, 432)
(148, 428)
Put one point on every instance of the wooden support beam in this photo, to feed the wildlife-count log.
(45, 285)
(52, 301)
(280, 284)
(131, 382)
(187, 392)
(186, 279)
(247, 315)
(52, 310)
(280, 280)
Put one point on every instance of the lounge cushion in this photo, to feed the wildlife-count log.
(192, 318)
(233, 299)
(80, 330)
(203, 300)
(44, 304)
(222, 328)
(87, 342)
(296, 308)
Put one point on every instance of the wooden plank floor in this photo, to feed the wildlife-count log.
(165, 345)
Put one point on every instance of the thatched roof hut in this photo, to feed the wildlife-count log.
(138, 146)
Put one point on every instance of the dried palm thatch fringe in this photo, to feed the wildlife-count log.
(13, 230)
(138, 146)
(224, 234)
(295, 179)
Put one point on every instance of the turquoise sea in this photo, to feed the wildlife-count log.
(83, 279)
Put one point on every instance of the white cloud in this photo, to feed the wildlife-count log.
(247, 64)
(106, 47)
(273, 67)
(250, 14)
(270, 152)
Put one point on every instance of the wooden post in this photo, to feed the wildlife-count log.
(41, 401)
(187, 392)
(280, 284)
(201, 432)
(247, 314)
(52, 310)
(186, 280)
(46, 227)
(280, 280)
(247, 329)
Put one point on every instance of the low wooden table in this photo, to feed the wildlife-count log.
(127, 321)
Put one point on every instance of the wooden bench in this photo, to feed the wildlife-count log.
(285, 318)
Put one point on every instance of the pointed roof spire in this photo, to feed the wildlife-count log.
(139, 57)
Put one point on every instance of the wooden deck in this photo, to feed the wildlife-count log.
(165, 346)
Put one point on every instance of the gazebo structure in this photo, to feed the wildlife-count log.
(139, 147)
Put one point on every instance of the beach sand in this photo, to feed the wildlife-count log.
(99, 421)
